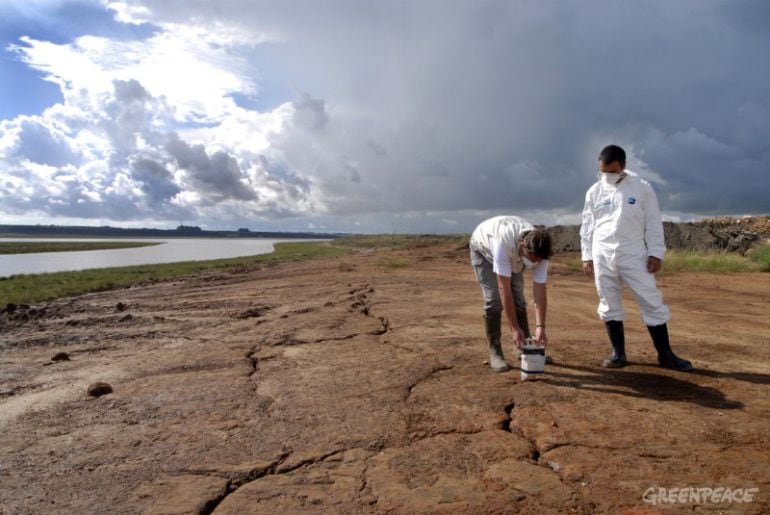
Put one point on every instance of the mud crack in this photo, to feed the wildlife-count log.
(435, 370)
(255, 360)
(537, 452)
(282, 465)
(363, 305)
(506, 424)
(212, 504)
(360, 305)
(284, 468)
(427, 435)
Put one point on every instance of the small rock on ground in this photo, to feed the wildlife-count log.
(99, 389)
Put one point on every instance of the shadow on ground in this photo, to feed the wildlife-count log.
(642, 384)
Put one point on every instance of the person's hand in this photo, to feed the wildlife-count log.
(653, 264)
(588, 267)
(519, 338)
(540, 336)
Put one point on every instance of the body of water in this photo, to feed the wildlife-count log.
(167, 251)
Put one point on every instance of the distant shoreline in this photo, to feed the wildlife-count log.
(70, 231)
(62, 246)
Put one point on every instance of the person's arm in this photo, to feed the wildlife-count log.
(541, 307)
(654, 237)
(587, 235)
(509, 307)
(501, 266)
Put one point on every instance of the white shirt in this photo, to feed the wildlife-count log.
(497, 239)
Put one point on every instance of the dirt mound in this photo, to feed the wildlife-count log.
(723, 233)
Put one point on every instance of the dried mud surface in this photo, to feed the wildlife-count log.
(353, 385)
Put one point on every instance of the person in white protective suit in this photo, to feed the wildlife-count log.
(500, 249)
(622, 244)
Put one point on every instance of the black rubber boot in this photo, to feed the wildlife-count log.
(618, 340)
(496, 358)
(666, 357)
(521, 319)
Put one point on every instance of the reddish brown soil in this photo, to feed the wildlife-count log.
(352, 385)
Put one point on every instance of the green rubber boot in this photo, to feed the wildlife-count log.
(496, 358)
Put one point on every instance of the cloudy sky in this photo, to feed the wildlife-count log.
(376, 116)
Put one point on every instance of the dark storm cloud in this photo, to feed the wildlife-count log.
(512, 101)
(525, 94)
(216, 177)
(747, 14)
(157, 182)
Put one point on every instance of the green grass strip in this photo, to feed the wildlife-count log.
(30, 247)
(705, 261)
(32, 288)
(761, 256)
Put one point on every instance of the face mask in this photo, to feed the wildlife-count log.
(527, 262)
(612, 178)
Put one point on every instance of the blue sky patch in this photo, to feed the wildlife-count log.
(23, 89)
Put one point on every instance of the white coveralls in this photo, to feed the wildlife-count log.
(621, 228)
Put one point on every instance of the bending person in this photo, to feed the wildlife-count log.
(500, 249)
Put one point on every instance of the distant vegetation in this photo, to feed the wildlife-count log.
(757, 260)
(393, 263)
(761, 256)
(399, 241)
(28, 247)
(72, 231)
(704, 261)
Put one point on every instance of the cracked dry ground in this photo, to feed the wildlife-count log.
(351, 385)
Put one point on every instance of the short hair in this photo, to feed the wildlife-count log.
(538, 242)
(612, 153)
